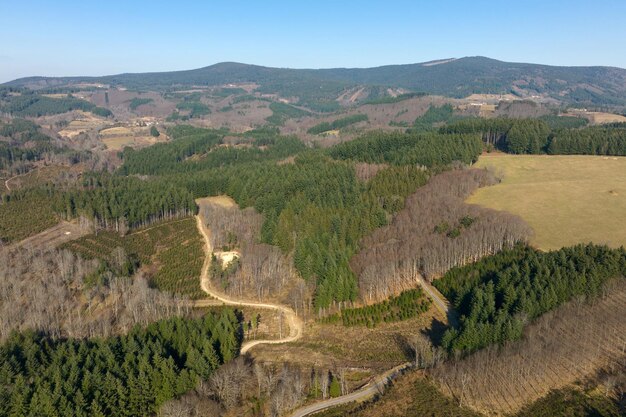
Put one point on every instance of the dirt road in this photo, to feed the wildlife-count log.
(375, 387)
(53, 237)
(295, 324)
(439, 300)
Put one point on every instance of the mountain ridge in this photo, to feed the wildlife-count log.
(597, 85)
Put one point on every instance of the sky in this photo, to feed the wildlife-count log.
(63, 37)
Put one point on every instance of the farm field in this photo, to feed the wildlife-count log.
(171, 252)
(565, 199)
(116, 138)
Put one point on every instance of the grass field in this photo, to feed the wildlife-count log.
(565, 199)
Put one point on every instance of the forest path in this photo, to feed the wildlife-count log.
(439, 300)
(295, 323)
(373, 388)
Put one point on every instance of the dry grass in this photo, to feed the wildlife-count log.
(54, 236)
(220, 200)
(117, 143)
(83, 123)
(565, 199)
(116, 131)
(374, 349)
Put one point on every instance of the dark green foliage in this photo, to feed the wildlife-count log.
(427, 149)
(194, 108)
(21, 141)
(433, 117)
(162, 157)
(517, 136)
(337, 124)
(171, 157)
(154, 132)
(527, 136)
(315, 207)
(571, 402)
(318, 89)
(131, 375)
(564, 122)
(114, 199)
(174, 247)
(334, 390)
(136, 102)
(601, 140)
(35, 105)
(281, 112)
(498, 295)
(408, 304)
(102, 112)
(23, 217)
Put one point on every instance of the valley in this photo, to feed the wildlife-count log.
(240, 240)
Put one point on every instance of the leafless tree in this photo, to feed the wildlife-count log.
(433, 233)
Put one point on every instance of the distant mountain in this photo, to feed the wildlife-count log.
(449, 77)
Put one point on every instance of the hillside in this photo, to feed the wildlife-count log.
(451, 77)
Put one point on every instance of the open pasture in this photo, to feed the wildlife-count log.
(565, 199)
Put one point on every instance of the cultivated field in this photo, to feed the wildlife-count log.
(565, 199)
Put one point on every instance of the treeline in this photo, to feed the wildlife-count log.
(315, 207)
(129, 375)
(136, 102)
(564, 122)
(498, 295)
(118, 203)
(536, 136)
(509, 135)
(281, 112)
(427, 149)
(162, 157)
(434, 116)
(171, 157)
(601, 140)
(35, 105)
(54, 291)
(337, 124)
(435, 231)
(21, 143)
(406, 305)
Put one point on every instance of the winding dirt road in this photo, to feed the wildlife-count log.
(295, 324)
(376, 386)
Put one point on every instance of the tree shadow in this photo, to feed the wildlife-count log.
(436, 331)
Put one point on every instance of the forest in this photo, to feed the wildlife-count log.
(427, 149)
(498, 295)
(406, 305)
(136, 102)
(435, 231)
(133, 374)
(22, 143)
(536, 136)
(337, 124)
(28, 103)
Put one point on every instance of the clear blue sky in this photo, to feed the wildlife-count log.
(86, 37)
